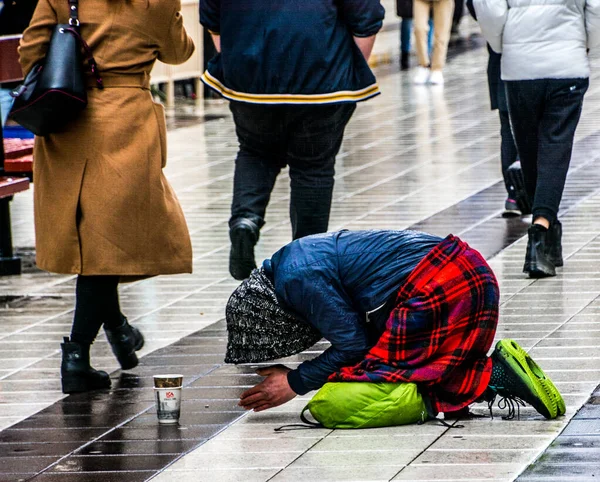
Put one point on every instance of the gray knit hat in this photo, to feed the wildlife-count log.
(259, 328)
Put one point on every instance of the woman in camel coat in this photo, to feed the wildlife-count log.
(103, 208)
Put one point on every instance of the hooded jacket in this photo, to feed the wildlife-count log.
(541, 39)
(291, 51)
(333, 281)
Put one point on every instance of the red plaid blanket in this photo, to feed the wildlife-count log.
(440, 331)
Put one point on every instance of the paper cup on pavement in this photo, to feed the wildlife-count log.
(167, 391)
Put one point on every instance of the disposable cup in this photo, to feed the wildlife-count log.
(167, 391)
(168, 381)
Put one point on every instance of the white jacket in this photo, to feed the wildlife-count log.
(541, 39)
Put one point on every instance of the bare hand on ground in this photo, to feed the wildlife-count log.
(273, 391)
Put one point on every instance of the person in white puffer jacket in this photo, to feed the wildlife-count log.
(544, 46)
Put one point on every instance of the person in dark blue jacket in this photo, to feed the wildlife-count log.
(293, 71)
(396, 306)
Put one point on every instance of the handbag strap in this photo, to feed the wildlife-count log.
(89, 56)
(74, 13)
(74, 30)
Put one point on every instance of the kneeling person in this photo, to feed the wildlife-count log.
(396, 306)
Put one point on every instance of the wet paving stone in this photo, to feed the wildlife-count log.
(24, 465)
(117, 476)
(40, 449)
(14, 435)
(138, 447)
(113, 463)
(156, 432)
(574, 454)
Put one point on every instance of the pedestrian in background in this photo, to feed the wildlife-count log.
(430, 68)
(546, 71)
(293, 72)
(15, 16)
(103, 208)
(404, 10)
(517, 201)
(459, 8)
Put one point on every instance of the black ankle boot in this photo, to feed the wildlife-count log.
(244, 236)
(555, 243)
(537, 261)
(125, 340)
(404, 60)
(75, 371)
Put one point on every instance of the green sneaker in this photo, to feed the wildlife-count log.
(516, 377)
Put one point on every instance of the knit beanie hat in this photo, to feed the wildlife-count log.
(259, 328)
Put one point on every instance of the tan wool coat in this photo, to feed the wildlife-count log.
(102, 203)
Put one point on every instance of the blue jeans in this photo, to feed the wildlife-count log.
(406, 31)
(6, 102)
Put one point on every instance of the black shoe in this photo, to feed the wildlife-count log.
(517, 182)
(125, 340)
(511, 209)
(537, 262)
(555, 243)
(404, 60)
(76, 374)
(244, 236)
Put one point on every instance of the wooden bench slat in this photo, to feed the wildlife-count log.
(21, 165)
(12, 185)
(15, 148)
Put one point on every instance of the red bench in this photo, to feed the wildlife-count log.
(18, 157)
(15, 148)
(18, 154)
(9, 186)
(21, 166)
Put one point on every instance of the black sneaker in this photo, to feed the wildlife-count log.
(515, 178)
(537, 262)
(244, 236)
(511, 208)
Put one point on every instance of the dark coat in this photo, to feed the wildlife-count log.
(495, 82)
(16, 15)
(334, 280)
(283, 51)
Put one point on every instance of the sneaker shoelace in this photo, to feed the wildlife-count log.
(506, 401)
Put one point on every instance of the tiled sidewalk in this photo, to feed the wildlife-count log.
(422, 157)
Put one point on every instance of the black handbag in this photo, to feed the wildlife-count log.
(55, 91)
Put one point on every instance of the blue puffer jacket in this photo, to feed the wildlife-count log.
(291, 51)
(333, 281)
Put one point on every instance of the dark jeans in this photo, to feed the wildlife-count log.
(306, 138)
(544, 115)
(508, 150)
(96, 304)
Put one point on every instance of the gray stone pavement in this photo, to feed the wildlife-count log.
(409, 157)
